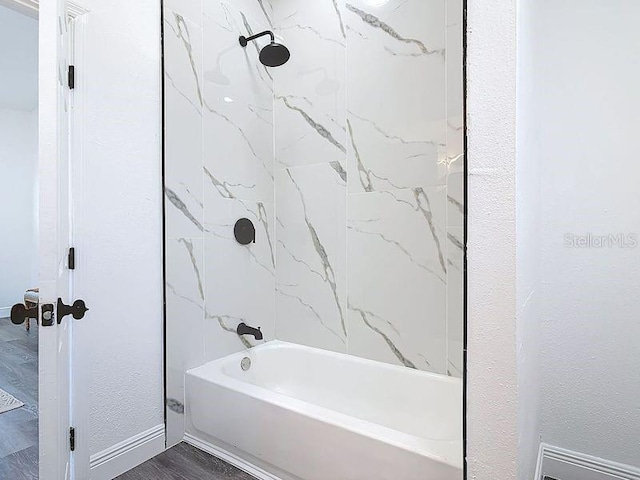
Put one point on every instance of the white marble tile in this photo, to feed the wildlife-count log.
(455, 300)
(311, 256)
(310, 88)
(259, 12)
(183, 56)
(189, 9)
(397, 277)
(396, 99)
(455, 113)
(183, 127)
(185, 323)
(223, 210)
(455, 199)
(455, 188)
(455, 85)
(238, 106)
(382, 161)
(233, 123)
(238, 289)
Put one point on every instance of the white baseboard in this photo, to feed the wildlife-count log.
(5, 312)
(228, 457)
(128, 454)
(562, 464)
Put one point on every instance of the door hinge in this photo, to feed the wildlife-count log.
(72, 439)
(71, 77)
(71, 259)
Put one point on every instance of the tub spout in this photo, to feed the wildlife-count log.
(244, 329)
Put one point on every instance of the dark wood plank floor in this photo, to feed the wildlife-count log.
(184, 462)
(19, 377)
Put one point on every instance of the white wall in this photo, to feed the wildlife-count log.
(120, 219)
(18, 201)
(528, 224)
(492, 393)
(18, 156)
(585, 123)
(576, 173)
(19, 54)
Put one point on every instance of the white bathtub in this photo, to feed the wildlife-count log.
(300, 413)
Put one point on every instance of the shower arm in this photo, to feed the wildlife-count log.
(245, 40)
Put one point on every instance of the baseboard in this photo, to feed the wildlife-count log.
(128, 454)
(228, 457)
(5, 312)
(561, 464)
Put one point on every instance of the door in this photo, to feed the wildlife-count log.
(56, 280)
(55, 234)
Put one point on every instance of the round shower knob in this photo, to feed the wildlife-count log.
(244, 231)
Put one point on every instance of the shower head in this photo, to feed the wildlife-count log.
(274, 54)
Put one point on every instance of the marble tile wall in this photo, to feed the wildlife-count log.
(396, 120)
(184, 205)
(455, 186)
(311, 183)
(348, 159)
(363, 137)
(219, 167)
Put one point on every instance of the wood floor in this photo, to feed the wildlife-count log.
(19, 427)
(19, 377)
(184, 462)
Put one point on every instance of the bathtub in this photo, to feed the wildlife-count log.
(300, 413)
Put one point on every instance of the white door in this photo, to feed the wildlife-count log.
(56, 280)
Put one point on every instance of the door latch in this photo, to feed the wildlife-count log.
(47, 315)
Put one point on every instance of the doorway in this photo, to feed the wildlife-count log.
(18, 242)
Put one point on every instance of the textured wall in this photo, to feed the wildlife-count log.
(492, 393)
(587, 123)
(119, 219)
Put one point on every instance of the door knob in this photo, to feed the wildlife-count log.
(78, 309)
(20, 313)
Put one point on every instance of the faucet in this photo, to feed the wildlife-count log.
(244, 329)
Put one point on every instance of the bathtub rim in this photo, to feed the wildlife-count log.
(279, 344)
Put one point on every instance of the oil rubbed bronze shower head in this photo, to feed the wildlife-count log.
(272, 55)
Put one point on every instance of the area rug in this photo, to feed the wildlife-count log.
(8, 402)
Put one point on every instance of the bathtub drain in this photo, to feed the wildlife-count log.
(245, 364)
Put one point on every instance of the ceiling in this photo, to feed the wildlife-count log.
(18, 61)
